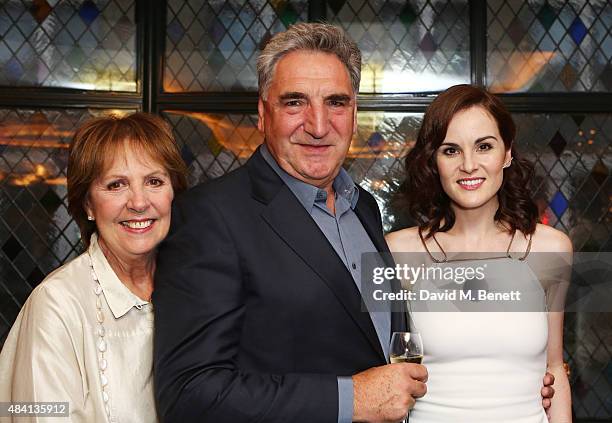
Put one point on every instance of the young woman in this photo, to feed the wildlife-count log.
(467, 187)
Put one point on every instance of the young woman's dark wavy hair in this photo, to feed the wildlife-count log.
(421, 194)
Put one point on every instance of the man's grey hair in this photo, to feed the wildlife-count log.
(316, 37)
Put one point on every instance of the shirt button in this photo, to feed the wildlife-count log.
(354, 266)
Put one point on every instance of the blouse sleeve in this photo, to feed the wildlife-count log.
(42, 358)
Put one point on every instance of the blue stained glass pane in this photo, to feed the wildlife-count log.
(226, 46)
(247, 46)
(175, 31)
(237, 31)
(217, 31)
(578, 31)
(5, 53)
(89, 12)
(558, 204)
(14, 68)
(187, 155)
(376, 140)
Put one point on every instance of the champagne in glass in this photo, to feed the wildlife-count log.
(406, 359)
(406, 347)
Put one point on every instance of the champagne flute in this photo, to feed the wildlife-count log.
(406, 347)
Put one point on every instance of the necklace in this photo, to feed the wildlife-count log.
(101, 342)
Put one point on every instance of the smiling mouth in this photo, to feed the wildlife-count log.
(470, 183)
(315, 146)
(137, 224)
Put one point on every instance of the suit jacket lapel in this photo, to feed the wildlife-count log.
(288, 218)
(370, 223)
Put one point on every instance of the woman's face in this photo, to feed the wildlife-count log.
(131, 204)
(470, 160)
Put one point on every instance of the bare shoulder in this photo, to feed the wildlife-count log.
(404, 240)
(549, 239)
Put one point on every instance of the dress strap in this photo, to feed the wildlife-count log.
(524, 256)
(510, 244)
(435, 260)
(528, 248)
(445, 258)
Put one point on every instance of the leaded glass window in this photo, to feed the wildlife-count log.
(407, 46)
(545, 46)
(88, 45)
(213, 46)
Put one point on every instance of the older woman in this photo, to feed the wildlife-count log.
(482, 367)
(84, 336)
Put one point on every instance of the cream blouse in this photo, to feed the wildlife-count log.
(52, 351)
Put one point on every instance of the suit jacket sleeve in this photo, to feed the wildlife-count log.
(199, 309)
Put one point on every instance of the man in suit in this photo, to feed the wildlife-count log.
(258, 308)
(258, 290)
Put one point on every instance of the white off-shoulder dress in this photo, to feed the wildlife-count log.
(485, 366)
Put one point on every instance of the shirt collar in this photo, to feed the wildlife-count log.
(307, 194)
(118, 296)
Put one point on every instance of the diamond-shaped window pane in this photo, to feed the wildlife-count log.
(213, 46)
(89, 45)
(36, 232)
(408, 46)
(545, 46)
(213, 144)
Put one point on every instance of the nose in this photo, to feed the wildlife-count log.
(469, 164)
(316, 123)
(139, 200)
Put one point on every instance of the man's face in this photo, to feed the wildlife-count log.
(309, 116)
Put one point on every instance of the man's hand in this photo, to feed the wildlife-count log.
(547, 391)
(386, 393)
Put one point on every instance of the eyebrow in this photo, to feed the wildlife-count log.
(338, 97)
(161, 172)
(293, 95)
(486, 137)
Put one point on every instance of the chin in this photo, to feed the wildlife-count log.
(468, 205)
(471, 204)
(143, 248)
(317, 174)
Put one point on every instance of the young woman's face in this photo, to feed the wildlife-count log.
(471, 159)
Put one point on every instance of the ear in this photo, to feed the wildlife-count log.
(508, 156)
(87, 206)
(260, 118)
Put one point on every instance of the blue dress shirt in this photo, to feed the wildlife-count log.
(349, 239)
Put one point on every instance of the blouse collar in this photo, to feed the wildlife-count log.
(118, 296)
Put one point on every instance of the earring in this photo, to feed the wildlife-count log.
(507, 165)
(91, 218)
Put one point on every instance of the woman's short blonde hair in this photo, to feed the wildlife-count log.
(98, 141)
